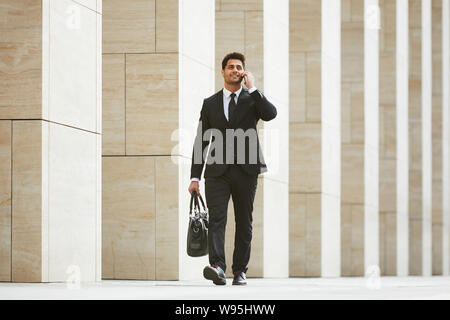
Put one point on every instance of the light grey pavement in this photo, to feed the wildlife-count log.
(257, 289)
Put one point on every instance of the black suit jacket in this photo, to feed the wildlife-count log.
(249, 110)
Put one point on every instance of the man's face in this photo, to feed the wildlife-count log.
(232, 74)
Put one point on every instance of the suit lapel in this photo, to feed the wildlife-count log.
(219, 101)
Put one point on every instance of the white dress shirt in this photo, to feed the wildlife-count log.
(226, 102)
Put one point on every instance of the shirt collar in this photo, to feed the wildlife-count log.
(227, 93)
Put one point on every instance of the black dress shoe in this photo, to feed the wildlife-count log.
(216, 274)
(240, 279)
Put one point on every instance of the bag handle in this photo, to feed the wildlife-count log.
(194, 197)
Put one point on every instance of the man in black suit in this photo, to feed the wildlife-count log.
(227, 123)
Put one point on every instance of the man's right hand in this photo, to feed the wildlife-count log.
(194, 186)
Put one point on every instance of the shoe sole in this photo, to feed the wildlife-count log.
(239, 283)
(210, 274)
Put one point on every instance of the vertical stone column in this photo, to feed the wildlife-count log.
(314, 143)
(446, 137)
(5, 199)
(437, 155)
(402, 88)
(197, 74)
(141, 114)
(360, 76)
(371, 135)
(426, 137)
(158, 67)
(239, 27)
(276, 139)
(50, 144)
(353, 133)
(415, 137)
(388, 139)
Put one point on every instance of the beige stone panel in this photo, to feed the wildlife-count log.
(245, 5)
(305, 157)
(128, 218)
(415, 247)
(313, 235)
(113, 119)
(415, 10)
(437, 155)
(346, 239)
(20, 67)
(415, 96)
(128, 26)
(357, 10)
(352, 185)
(230, 37)
(382, 243)
(437, 252)
(26, 265)
(218, 5)
(415, 52)
(387, 78)
(415, 137)
(388, 26)
(387, 183)
(388, 125)
(353, 52)
(254, 50)
(151, 103)
(313, 87)
(388, 243)
(346, 10)
(437, 205)
(415, 194)
(297, 87)
(305, 25)
(166, 25)
(415, 145)
(391, 244)
(20, 14)
(5, 200)
(346, 113)
(357, 110)
(297, 235)
(357, 240)
(166, 231)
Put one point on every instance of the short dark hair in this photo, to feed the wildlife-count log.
(233, 55)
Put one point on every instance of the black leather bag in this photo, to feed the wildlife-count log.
(197, 237)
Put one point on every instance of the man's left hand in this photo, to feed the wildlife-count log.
(249, 79)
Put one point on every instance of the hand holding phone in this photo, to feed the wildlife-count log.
(249, 79)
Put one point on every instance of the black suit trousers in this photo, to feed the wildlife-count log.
(241, 186)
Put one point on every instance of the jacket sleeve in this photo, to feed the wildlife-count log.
(265, 110)
(198, 152)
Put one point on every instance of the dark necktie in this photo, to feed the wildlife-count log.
(231, 107)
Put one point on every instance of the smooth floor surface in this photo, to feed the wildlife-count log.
(257, 289)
